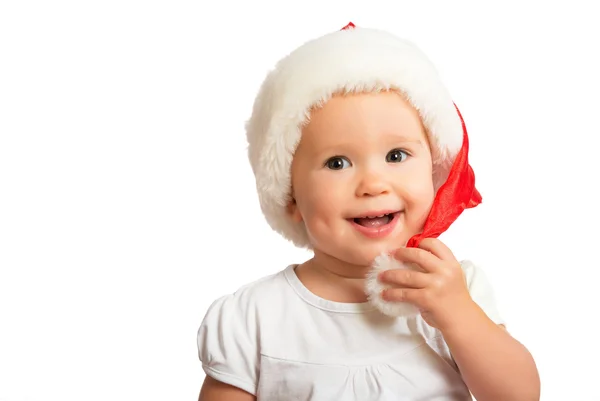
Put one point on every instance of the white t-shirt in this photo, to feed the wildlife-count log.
(277, 340)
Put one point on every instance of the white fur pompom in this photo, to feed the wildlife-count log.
(374, 287)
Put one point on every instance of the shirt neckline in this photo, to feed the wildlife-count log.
(322, 303)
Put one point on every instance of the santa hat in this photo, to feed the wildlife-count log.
(348, 61)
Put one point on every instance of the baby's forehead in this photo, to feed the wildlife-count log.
(359, 118)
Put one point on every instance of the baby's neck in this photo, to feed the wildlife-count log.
(333, 279)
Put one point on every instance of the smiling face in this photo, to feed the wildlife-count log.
(362, 177)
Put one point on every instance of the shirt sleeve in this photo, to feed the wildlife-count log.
(481, 291)
(227, 344)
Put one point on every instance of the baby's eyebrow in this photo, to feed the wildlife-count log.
(401, 138)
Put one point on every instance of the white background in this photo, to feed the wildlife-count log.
(127, 204)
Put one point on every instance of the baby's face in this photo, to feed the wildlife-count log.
(360, 157)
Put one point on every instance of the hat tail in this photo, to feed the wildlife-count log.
(454, 196)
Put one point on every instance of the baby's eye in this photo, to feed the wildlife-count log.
(396, 156)
(337, 163)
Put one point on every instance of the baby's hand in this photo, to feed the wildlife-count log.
(439, 290)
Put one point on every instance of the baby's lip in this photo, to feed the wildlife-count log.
(374, 213)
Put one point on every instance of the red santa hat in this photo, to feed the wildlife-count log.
(347, 61)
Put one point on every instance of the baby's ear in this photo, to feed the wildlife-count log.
(293, 211)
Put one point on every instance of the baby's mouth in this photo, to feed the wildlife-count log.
(375, 221)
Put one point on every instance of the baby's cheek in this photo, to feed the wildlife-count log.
(419, 202)
(318, 211)
(323, 232)
(326, 201)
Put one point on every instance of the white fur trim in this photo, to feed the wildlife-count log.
(373, 287)
(353, 60)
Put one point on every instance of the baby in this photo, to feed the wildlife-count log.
(360, 155)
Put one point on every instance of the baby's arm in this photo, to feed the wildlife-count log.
(493, 364)
(213, 390)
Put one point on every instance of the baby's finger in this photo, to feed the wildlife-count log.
(410, 295)
(437, 247)
(405, 278)
(422, 258)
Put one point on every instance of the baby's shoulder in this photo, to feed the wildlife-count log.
(229, 335)
(251, 298)
(474, 274)
(481, 290)
(471, 270)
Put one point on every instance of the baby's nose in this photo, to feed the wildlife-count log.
(372, 184)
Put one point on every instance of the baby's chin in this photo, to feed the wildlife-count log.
(362, 254)
(366, 256)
